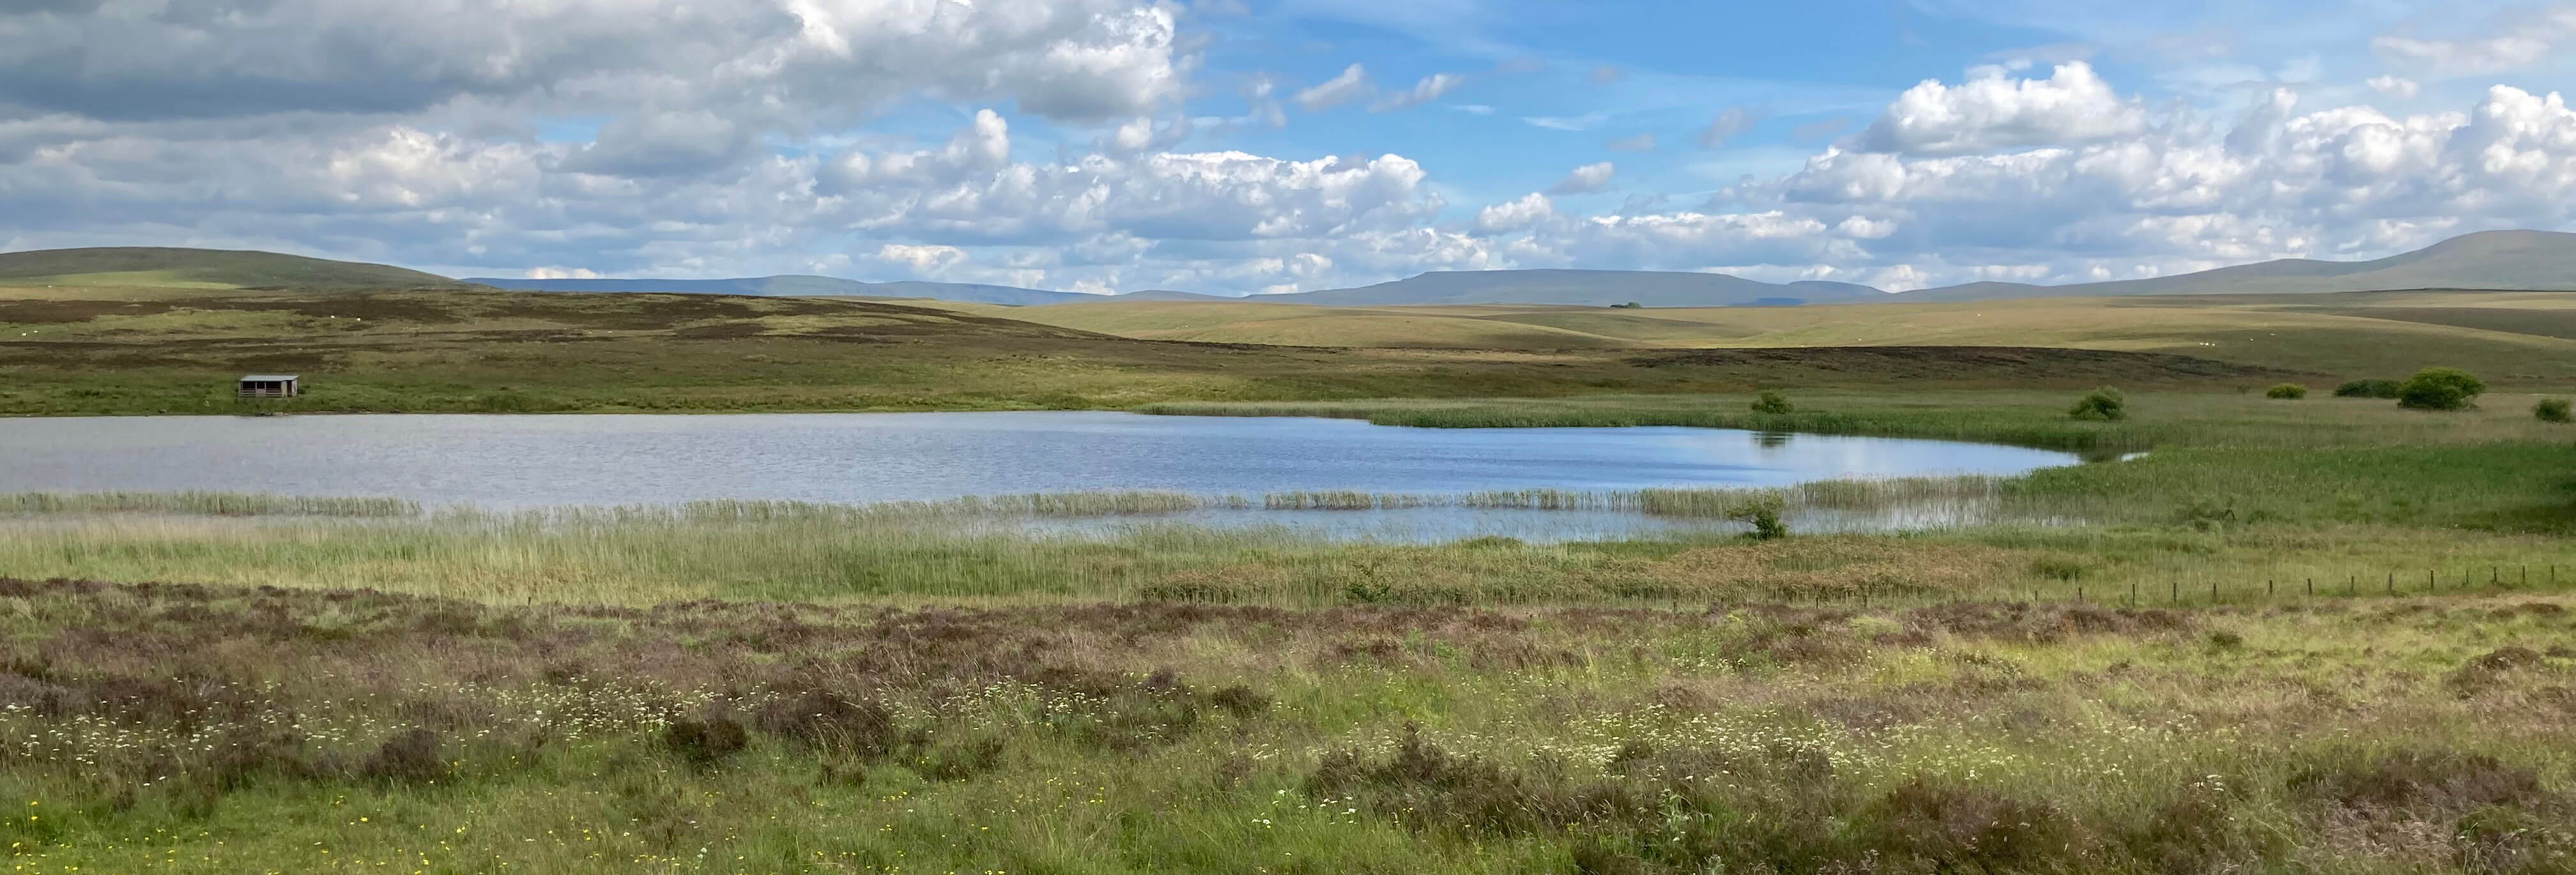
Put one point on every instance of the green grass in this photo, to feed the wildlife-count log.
(213, 730)
(2329, 636)
(2521, 338)
(515, 352)
(200, 269)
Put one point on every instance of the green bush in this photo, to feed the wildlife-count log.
(2440, 389)
(2103, 405)
(2368, 389)
(2551, 410)
(1764, 516)
(2286, 392)
(1772, 403)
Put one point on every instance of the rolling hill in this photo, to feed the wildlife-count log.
(164, 267)
(2524, 338)
(796, 286)
(2489, 260)
(1598, 288)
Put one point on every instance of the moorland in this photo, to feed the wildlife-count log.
(2313, 634)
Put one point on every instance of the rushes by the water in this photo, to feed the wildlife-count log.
(1349, 500)
(205, 503)
(1069, 504)
(1712, 503)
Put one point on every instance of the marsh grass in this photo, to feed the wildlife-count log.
(216, 730)
(205, 503)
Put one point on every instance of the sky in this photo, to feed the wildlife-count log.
(1259, 146)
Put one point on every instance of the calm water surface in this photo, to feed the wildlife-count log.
(520, 461)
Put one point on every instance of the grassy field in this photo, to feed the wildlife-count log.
(151, 270)
(177, 351)
(2324, 635)
(2520, 338)
(190, 729)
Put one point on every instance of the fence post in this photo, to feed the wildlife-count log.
(2177, 592)
(2267, 589)
(2392, 583)
(2213, 590)
(2312, 587)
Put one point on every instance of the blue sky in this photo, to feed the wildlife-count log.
(1247, 146)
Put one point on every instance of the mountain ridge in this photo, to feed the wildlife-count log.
(217, 268)
(2519, 260)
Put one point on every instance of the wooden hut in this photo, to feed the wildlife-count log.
(270, 385)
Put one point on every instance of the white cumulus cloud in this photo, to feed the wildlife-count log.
(1992, 110)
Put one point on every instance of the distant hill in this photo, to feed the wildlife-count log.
(1161, 295)
(202, 268)
(1598, 288)
(799, 286)
(2497, 260)
(2491, 260)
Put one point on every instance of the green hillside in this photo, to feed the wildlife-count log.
(168, 267)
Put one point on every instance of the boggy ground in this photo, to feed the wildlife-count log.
(207, 729)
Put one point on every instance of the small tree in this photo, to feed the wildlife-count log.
(2286, 392)
(2440, 389)
(1763, 514)
(2368, 389)
(2552, 410)
(1771, 403)
(1631, 305)
(2104, 405)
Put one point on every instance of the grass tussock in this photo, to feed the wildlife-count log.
(147, 724)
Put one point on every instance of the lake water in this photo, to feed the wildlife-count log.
(519, 461)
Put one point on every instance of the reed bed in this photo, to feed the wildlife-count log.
(206, 503)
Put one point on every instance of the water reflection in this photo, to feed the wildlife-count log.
(521, 461)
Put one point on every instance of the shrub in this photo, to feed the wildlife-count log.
(1631, 305)
(1764, 516)
(2103, 405)
(2440, 389)
(2286, 392)
(1772, 404)
(1988, 830)
(2368, 389)
(408, 757)
(704, 743)
(825, 720)
(2551, 410)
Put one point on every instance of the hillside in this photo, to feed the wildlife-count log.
(2518, 337)
(202, 269)
(1599, 288)
(2493, 260)
(468, 350)
(796, 285)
